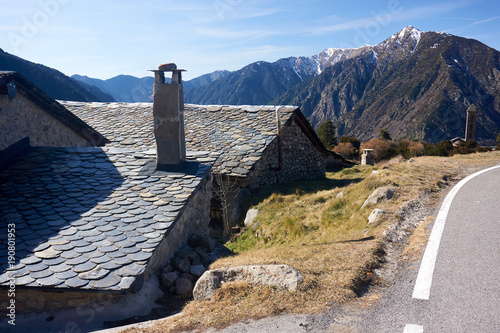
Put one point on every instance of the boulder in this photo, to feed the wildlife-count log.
(183, 287)
(208, 243)
(205, 241)
(188, 276)
(250, 217)
(189, 253)
(375, 216)
(168, 279)
(197, 271)
(202, 253)
(183, 265)
(280, 276)
(379, 195)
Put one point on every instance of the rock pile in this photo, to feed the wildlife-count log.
(189, 263)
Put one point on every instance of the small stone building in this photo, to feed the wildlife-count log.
(88, 220)
(255, 146)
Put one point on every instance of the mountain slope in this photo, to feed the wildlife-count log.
(52, 82)
(257, 83)
(416, 84)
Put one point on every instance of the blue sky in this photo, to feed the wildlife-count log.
(109, 37)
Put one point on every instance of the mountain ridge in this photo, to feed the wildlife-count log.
(130, 89)
(420, 91)
(387, 85)
(54, 83)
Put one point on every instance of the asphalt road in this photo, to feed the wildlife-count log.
(460, 292)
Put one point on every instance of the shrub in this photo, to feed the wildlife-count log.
(444, 148)
(385, 135)
(384, 149)
(464, 148)
(349, 139)
(483, 149)
(346, 149)
(429, 149)
(410, 149)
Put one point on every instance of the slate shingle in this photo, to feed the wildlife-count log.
(84, 213)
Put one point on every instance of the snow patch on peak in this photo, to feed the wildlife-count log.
(410, 32)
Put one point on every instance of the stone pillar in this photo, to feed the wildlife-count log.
(470, 127)
(368, 157)
(168, 115)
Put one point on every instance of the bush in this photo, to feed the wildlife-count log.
(429, 149)
(346, 149)
(468, 147)
(483, 149)
(349, 139)
(384, 149)
(385, 135)
(410, 149)
(444, 148)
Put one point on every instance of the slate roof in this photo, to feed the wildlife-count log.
(240, 134)
(15, 83)
(90, 218)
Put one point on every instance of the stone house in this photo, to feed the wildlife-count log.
(254, 146)
(79, 222)
(252, 150)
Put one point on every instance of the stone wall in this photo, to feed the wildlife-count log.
(194, 221)
(300, 160)
(21, 118)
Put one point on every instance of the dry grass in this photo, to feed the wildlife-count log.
(418, 240)
(325, 236)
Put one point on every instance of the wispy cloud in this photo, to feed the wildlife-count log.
(487, 20)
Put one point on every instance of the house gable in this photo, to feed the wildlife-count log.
(26, 111)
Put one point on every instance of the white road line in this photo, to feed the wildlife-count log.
(413, 329)
(423, 283)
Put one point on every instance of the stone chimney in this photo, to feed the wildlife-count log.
(470, 126)
(168, 114)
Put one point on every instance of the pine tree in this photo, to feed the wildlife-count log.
(328, 134)
(385, 135)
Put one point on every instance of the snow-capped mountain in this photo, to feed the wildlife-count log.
(275, 78)
(416, 84)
